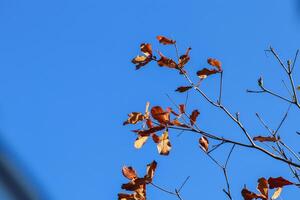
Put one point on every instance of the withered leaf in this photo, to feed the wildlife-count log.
(134, 117)
(155, 138)
(149, 131)
(216, 63)
(182, 108)
(203, 141)
(193, 116)
(140, 61)
(184, 58)
(164, 40)
(166, 62)
(204, 73)
(140, 141)
(183, 88)
(150, 171)
(122, 196)
(298, 87)
(265, 139)
(129, 172)
(248, 195)
(146, 49)
(263, 187)
(160, 115)
(134, 184)
(164, 145)
(278, 182)
(277, 193)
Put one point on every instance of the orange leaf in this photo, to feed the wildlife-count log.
(122, 196)
(203, 141)
(204, 73)
(134, 184)
(248, 195)
(265, 139)
(160, 115)
(164, 145)
(167, 62)
(134, 118)
(183, 88)
(278, 182)
(129, 172)
(184, 58)
(155, 138)
(215, 63)
(146, 49)
(193, 117)
(182, 108)
(149, 131)
(263, 187)
(150, 171)
(164, 40)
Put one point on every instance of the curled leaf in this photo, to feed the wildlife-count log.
(263, 187)
(150, 171)
(164, 146)
(149, 131)
(278, 182)
(160, 115)
(166, 62)
(193, 117)
(203, 141)
(248, 195)
(184, 58)
(134, 118)
(146, 49)
(204, 73)
(164, 40)
(265, 139)
(216, 63)
(183, 88)
(182, 108)
(129, 172)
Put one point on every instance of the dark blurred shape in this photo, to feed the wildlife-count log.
(13, 181)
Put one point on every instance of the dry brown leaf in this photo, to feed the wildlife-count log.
(164, 146)
(134, 118)
(277, 193)
(263, 187)
(193, 116)
(204, 73)
(182, 108)
(183, 88)
(216, 63)
(184, 58)
(146, 49)
(248, 195)
(149, 131)
(122, 196)
(278, 182)
(150, 171)
(129, 172)
(166, 62)
(164, 40)
(134, 184)
(163, 117)
(265, 139)
(203, 141)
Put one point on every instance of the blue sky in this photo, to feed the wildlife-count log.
(67, 84)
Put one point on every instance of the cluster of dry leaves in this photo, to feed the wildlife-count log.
(136, 184)
(263, 187)
(157, 120)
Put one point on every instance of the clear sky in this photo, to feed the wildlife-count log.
(67, 84)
